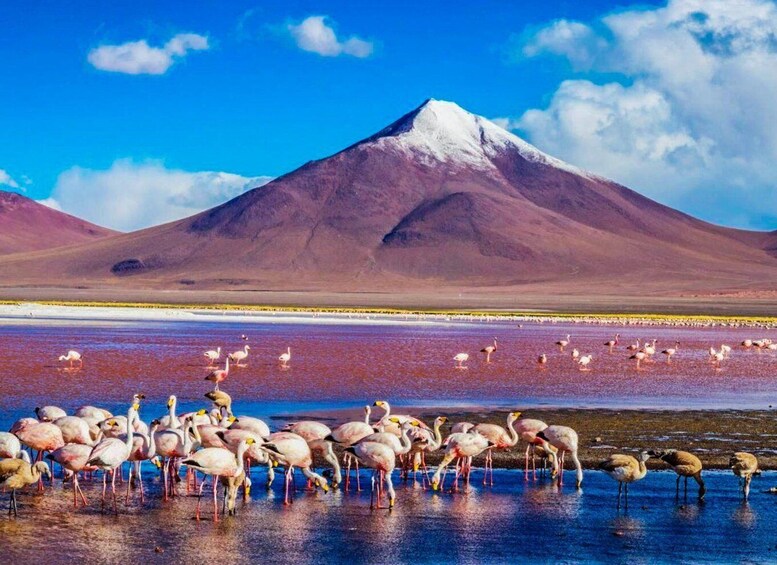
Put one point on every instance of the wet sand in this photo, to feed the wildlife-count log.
(713, 435)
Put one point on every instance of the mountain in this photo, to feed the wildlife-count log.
(439, 199)
(26, 225)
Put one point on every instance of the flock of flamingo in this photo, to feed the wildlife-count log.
(214, 442)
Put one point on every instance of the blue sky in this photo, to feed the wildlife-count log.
(254, 91)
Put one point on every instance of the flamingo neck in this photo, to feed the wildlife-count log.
(174, 423)
(404, 440)
(131, 414)
(151, 443)
(240, 457)
(437, 436)
(513, 434)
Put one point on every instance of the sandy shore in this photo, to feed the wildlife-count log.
(545, 298)
(713, 435)
(20, 312)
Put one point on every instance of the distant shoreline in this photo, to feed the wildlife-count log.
(161, 311)
(544, 300)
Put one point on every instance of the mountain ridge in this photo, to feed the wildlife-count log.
(440, 197)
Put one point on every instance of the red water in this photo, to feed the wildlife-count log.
(349, 365)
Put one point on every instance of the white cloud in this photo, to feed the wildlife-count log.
(7, 180)
(131, 195)
(51, 203)
(573, 40)
(315, 35)
(692, 118)
(138, 57)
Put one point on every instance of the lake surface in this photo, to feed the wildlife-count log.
(510, 522)
(346, 365)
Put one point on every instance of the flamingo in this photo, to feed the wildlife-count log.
(284, 358)
(488, 350)
(575, 354)
(640, 356)
(172, 443)
(217, 462)
(650, 350)
(564, 439)
(111, 453)
(584, 361)
(49, 413)
(251, 424)
(725, 349)
(219, 375)
(671, 351)
(292, 450)
(542, 360)
(460, 359)
(10, 446)
(220, 399)
(500, 438)
(230, 439)
(387, 422)
(72, 356)
(143, 449)
(633, 346)
(625, 469)
(348, 434)
(240, 355)
(685, 465)
(382, 459)
(42, 437)
(213, 356)
(613, 342)
(716, 357)
(461, 446)
(74, 457)
(745, 466)
(171, 421)
(562, 343)
(315, 433)
(75, 430)
(528, 429)
(426, 442)
(16, 474)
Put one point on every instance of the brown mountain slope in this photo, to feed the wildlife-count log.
(26, 225)
(441, 198)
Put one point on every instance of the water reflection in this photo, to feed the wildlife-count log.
(744, 515)
(504, 523)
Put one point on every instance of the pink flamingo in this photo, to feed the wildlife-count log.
(219, 375)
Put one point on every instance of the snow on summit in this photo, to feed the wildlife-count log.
(443, 131)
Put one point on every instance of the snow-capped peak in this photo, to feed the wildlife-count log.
(444, 131)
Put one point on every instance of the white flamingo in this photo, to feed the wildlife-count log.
(584, 361)
(240, 355)
(284, 358)
(72, 356)
(213, 355)
(460, 359)
(111, 453)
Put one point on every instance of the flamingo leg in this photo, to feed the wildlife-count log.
(372, 491)
(105, 486)
(78, 487)
(113, 489)
(215, 499)
(358, 482)
(199, 499)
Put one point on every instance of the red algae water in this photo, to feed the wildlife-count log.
(349, 364)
